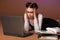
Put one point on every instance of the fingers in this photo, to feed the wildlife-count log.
(26, 12)
(34, 11)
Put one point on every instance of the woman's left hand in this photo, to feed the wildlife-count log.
(34, 13)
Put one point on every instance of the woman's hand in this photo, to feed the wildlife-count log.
(35, 13)
(26, 14)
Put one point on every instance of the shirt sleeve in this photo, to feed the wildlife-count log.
(26, 23)
(40, 17)
(38, 23)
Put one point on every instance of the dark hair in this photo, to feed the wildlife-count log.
(31, 5)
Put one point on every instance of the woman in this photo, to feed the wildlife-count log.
(33, 20)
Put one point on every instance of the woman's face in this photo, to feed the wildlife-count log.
(30, 12)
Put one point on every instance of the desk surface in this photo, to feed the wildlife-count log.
(5, 37)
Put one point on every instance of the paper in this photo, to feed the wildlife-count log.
(48, 38)
(53, 30)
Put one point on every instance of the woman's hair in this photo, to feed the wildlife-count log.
(31, 5)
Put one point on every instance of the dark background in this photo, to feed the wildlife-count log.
(49, 8)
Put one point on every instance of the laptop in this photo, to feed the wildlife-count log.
(13, 25)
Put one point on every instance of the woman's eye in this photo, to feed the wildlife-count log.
(29, 12)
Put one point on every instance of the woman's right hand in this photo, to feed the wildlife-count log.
(26, 14)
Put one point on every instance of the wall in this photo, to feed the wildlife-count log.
(49, 8)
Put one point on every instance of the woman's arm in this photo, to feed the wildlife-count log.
(26, 23)
(40, 19)
(38, 23)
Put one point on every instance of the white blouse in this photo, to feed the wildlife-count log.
(37, 23)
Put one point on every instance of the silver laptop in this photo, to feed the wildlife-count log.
(13, 25)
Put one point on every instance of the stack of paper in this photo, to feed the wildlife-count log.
(48, 38)
(53, 30)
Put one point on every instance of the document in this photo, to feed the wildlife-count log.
(53, 30)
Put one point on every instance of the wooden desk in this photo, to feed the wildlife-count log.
(5, 37)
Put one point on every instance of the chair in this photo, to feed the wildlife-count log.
(48, 22)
